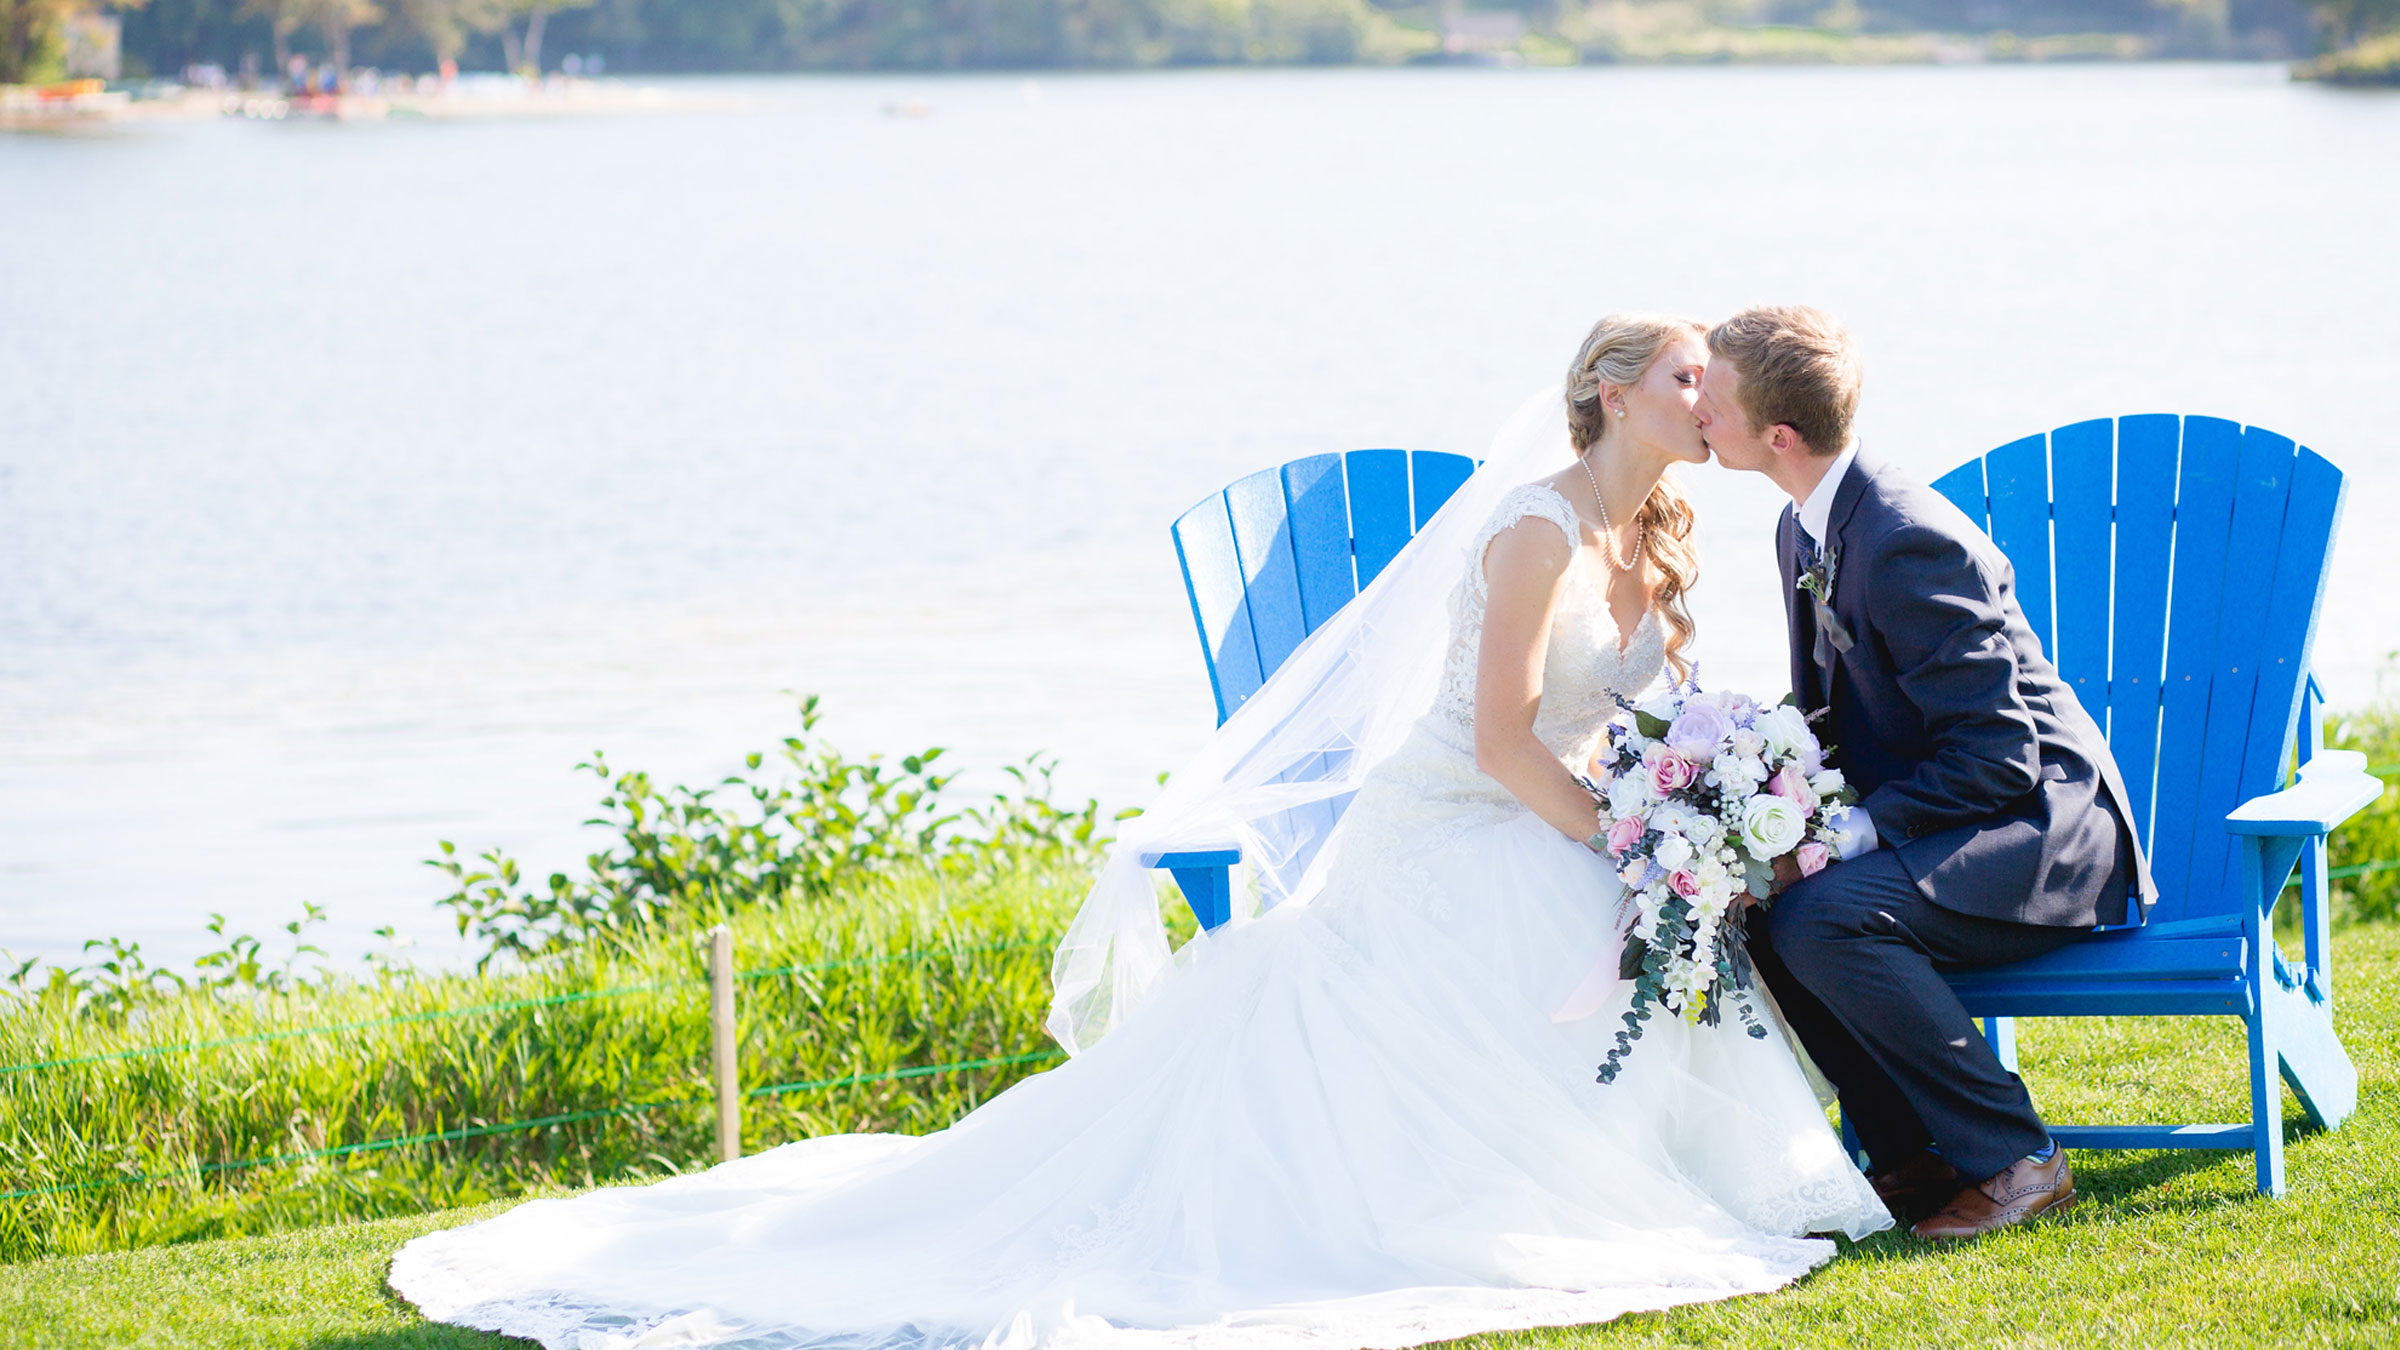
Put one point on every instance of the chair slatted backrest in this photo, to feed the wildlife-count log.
(2174, 569)
(1273, 556)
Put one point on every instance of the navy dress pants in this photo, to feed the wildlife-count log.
(1852, 956)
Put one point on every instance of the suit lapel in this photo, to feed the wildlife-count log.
(1846, 497)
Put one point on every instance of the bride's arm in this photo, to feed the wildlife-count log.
(1524, 571)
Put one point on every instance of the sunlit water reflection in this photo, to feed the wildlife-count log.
(357, 481)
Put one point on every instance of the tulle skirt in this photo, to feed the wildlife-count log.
(1347, 1124)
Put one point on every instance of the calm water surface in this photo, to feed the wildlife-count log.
(357, 481)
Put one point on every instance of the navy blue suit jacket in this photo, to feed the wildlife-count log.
(1978, 766)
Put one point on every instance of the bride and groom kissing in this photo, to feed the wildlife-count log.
(1364, 1112)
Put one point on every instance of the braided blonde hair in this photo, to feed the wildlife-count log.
(1619, 351)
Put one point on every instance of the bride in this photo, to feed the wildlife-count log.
(1364, 1112)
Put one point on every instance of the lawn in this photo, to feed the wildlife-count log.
(2167, 1248)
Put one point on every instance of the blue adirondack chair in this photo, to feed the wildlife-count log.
(1269, 559)
(2174, 569)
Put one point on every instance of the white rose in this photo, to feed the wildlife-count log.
(1629, 794)
(1734, 773)
(1771, 826)
(1785, 730)
(1826, 782)
(1749, 742)
(1662, 705)
(1673, 852)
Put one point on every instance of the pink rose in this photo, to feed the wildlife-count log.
(1669, 771)
(1812, 857)
(1791, 784)
(1624, 834)
(1685, 884)
(1634, 873)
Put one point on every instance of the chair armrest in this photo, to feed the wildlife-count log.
(1225, 856)
(1205, 877)
(2332, 787)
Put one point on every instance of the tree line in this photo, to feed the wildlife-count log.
(165, 36)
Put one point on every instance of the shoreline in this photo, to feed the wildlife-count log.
(84, 103)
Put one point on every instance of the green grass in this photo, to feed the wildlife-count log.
(2168, 1249)
(129, 1149)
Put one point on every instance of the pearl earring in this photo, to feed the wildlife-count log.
(1620, 412)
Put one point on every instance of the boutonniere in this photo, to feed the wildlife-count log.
(1818, 582)
(1818, 579)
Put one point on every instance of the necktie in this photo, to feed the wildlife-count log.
(1831, 635)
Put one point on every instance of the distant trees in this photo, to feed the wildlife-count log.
(524, 46)
(33, 31)
(2350, 21)
(1006, 34)
(333, 20)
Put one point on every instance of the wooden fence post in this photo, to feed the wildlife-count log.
(720, 1006)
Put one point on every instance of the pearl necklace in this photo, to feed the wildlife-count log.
(1608, 528)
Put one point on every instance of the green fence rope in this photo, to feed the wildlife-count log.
(511, 1005)
(539, 1122)
(825, 1084)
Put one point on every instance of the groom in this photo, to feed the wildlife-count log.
(1991, 826)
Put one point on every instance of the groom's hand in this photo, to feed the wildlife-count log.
(1787, 873)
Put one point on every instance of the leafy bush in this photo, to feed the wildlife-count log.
(2366, 852)
(699, 855)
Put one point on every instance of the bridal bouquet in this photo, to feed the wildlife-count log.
(1700, 796)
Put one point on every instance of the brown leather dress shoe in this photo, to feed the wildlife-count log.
(2025, 1189)
(1917, 1189)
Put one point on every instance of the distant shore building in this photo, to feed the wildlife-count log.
(1476, 32)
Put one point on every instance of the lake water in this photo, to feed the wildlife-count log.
(357, 481)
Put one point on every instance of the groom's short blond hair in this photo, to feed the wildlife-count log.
(1798, 368)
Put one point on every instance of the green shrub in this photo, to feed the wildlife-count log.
(697, 855)
(2365, 853)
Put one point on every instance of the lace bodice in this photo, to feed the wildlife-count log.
(1584, 666)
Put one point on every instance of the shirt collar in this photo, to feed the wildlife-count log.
(1818, 509)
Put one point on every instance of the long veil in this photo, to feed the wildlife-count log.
(1274, 779)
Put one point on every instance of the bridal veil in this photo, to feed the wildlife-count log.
(1274, 778)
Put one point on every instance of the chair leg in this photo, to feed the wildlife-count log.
(2266, 1085)
(2001, 1034)
(2266, 1106)
(2311, 1056)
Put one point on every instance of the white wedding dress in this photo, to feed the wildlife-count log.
(1347, 1123)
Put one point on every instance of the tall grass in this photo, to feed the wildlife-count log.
(129, 1134)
